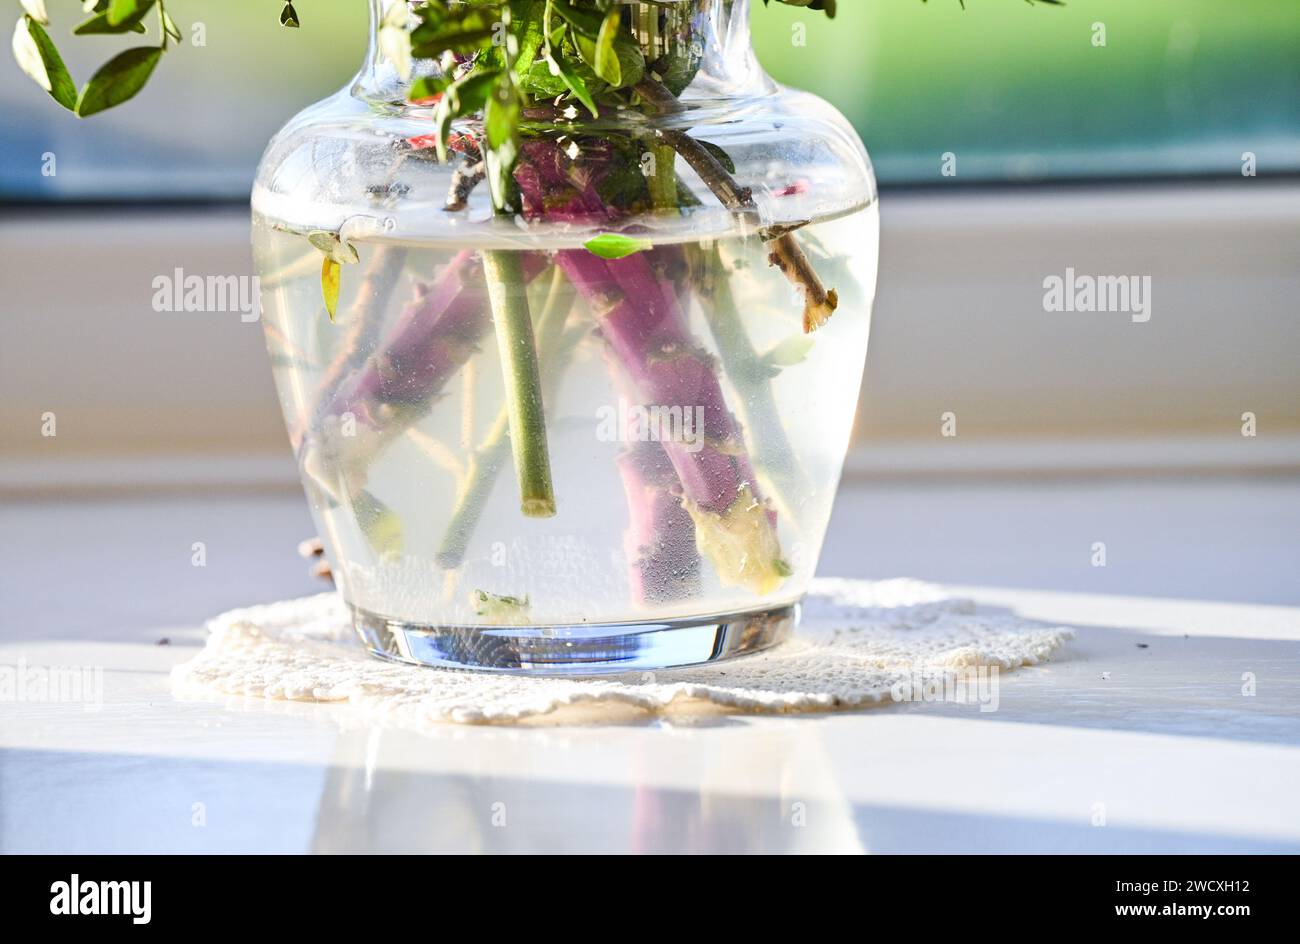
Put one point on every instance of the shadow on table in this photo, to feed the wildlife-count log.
(1126, 680)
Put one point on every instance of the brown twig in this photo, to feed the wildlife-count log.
(466, 177)
(786, 253)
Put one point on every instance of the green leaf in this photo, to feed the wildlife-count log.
(432, 45)
(500, 163)
(531, 39)
(539, 83)
(469, 29)
(501, 124)
(631, 64)
(828, 6)
(590, 29)
(426, 87)
(606, 59)
(289, 16)
(586, 22)
(103, 22)
(124, 11)
(118, 80)
(99, 25)
(501, 114)
(616, 245)
(573, 82)
(463, 97)
(331, 279)
(38, 57)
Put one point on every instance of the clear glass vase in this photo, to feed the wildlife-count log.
(598, 434)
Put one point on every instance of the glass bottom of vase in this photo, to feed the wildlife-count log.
(576, 649)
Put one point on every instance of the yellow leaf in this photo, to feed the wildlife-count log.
(331, 274)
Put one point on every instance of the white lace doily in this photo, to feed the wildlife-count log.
(859, 642)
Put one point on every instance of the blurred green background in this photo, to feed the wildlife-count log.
(1181, 86)
(1016, 92)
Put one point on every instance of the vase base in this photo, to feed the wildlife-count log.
(577, 649)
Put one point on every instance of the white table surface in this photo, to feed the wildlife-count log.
(1160, 741)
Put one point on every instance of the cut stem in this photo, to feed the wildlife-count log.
(507, 289)
(555, 346)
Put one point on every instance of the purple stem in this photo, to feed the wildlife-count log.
(432, 339)
(660, 537)
(646, 331)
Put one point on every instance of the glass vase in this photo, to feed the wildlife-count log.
(602, 432)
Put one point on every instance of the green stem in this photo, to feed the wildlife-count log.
(663, 182)
(480, 477)
(507, 289)
(554, 347)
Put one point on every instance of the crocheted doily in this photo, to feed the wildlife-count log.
(860, 643)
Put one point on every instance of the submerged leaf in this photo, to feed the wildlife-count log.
(331, 278)
(793, 350)
(501, 609)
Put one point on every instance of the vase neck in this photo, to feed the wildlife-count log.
(712, 35)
